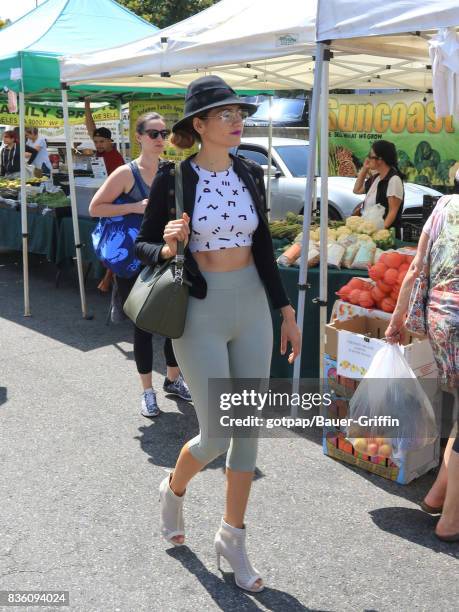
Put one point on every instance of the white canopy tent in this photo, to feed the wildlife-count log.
(398, 28)
(249, 43)
(267, 44)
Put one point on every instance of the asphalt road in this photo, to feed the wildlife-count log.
(80, 468)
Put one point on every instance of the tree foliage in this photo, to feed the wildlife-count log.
(163, 13)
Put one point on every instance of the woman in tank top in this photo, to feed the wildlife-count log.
(134, 179)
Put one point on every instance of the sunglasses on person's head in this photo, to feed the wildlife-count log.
(153, 134)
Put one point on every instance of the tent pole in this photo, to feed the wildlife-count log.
(24, 225)
(270, 157)
(323, 208)
(121, 129)
(313, 123)
(76, 229)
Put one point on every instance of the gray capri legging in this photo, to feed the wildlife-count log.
(228, 334)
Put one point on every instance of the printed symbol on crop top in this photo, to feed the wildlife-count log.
(219, 192)
(195, 232)
(207, 245)
(235, 192)
(238, 244)
(213, 207)
(222, 248)
(206, 181)
(199, 199)
(226, 183)
(197, 167)
(227, 173)
(225, 216)
(239, 234)
(226, 239)
(242, 217)
(231, 203)
(206, 190)
(202, 219)
(216, 230)
(232, 227)
(244, 188)
(251, 209)
(214, 175)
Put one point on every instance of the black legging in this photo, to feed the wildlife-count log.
(143, 345)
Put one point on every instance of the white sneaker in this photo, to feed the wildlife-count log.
(149, 407)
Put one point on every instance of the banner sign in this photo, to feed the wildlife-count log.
(171, 110)
(427, 147)
(43, 115)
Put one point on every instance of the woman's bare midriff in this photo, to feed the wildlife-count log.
(224, 260)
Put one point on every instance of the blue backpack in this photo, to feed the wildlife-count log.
(113, 238)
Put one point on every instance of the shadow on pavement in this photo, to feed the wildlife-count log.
(56, 312)
(414, 492)
(415, 526)
(163, 437)
(227, 596)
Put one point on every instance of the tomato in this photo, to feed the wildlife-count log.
(385, 288)
(394, 260)
(390, 276)
(387, 304)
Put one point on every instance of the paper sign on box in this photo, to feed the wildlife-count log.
(355, 353)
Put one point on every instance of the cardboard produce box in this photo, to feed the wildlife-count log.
(350, 347)
(354, 342)
(414, 463)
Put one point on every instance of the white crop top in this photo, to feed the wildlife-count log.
(224, 215)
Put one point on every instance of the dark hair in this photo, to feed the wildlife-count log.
(456, 185)
(102, 132)
(187, 136)
(143, 119)
(386, 151)
(32, 130)
(10, 134)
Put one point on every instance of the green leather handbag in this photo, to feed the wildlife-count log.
(158, 300)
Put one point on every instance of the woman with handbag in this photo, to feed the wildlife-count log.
(436, 309)
(124, 196)
(230, 264)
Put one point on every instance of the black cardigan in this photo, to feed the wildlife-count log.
(161, 208)
(381, 197)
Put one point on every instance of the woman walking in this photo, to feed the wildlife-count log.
(439, 245)
(134, 180)
(228, 330)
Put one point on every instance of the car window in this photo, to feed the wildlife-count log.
(295, 157)
(254, 154)
(283, 109)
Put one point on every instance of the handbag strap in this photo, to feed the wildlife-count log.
(138, 179)
(179, 258)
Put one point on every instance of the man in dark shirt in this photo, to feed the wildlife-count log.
(102, 138)
(10, 157)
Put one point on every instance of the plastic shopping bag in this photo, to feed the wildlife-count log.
(375, 215)
(390, 409)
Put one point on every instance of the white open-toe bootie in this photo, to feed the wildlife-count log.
(172, 523)
(230, 543)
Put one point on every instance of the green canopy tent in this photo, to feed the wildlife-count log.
(30, 48)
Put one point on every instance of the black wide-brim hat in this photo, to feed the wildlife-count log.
(209, 92)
